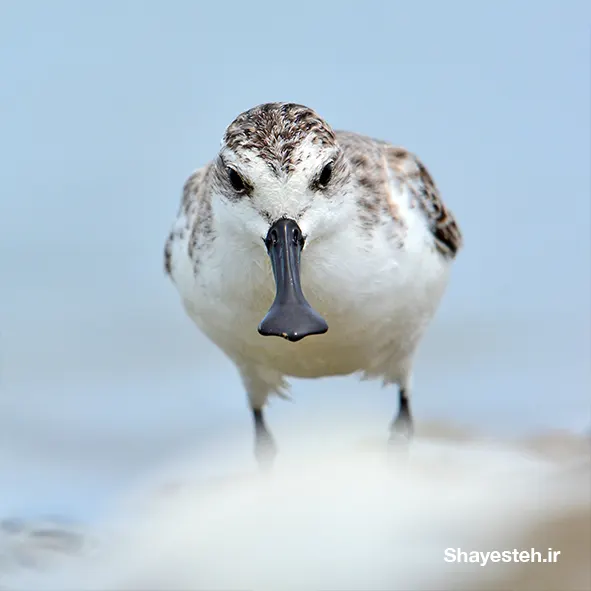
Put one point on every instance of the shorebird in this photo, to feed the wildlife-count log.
(336, 243)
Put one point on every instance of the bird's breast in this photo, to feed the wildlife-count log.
(376, 306)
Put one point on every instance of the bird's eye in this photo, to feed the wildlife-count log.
(236, 181)
(325, 175)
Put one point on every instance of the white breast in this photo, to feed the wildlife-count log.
(376, 299)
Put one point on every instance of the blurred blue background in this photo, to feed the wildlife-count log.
(105, 109)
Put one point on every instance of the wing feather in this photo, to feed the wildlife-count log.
(412, 172)
(374, 162)
(192, 227)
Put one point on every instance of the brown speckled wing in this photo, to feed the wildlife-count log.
(193, 225)
(411, 172)
(376, 164)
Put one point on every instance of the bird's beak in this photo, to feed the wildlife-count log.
(290, 316)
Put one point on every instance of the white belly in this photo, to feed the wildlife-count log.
(376, 312)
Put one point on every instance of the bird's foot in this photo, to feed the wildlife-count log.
(401, 431)
(265, 451)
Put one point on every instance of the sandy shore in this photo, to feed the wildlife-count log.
(355, 519)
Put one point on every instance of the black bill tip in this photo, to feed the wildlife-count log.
(292, 323)
(291, 316)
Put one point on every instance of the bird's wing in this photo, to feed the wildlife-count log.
(382, 169)
(410, 171)
(192, 228)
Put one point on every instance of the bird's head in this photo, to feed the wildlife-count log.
(281, 180)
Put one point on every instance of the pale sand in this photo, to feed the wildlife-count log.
(358, 520)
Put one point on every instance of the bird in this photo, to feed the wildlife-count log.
(302, 251)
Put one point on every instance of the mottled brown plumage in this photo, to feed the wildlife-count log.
(274, 131)
(375, 164)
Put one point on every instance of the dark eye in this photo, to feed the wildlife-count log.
(236, 180)
(325, 176)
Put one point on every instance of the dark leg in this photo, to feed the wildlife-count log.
(402, 426)
(264, 449)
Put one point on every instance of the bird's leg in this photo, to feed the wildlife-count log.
(402, 426)
(265, 449)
